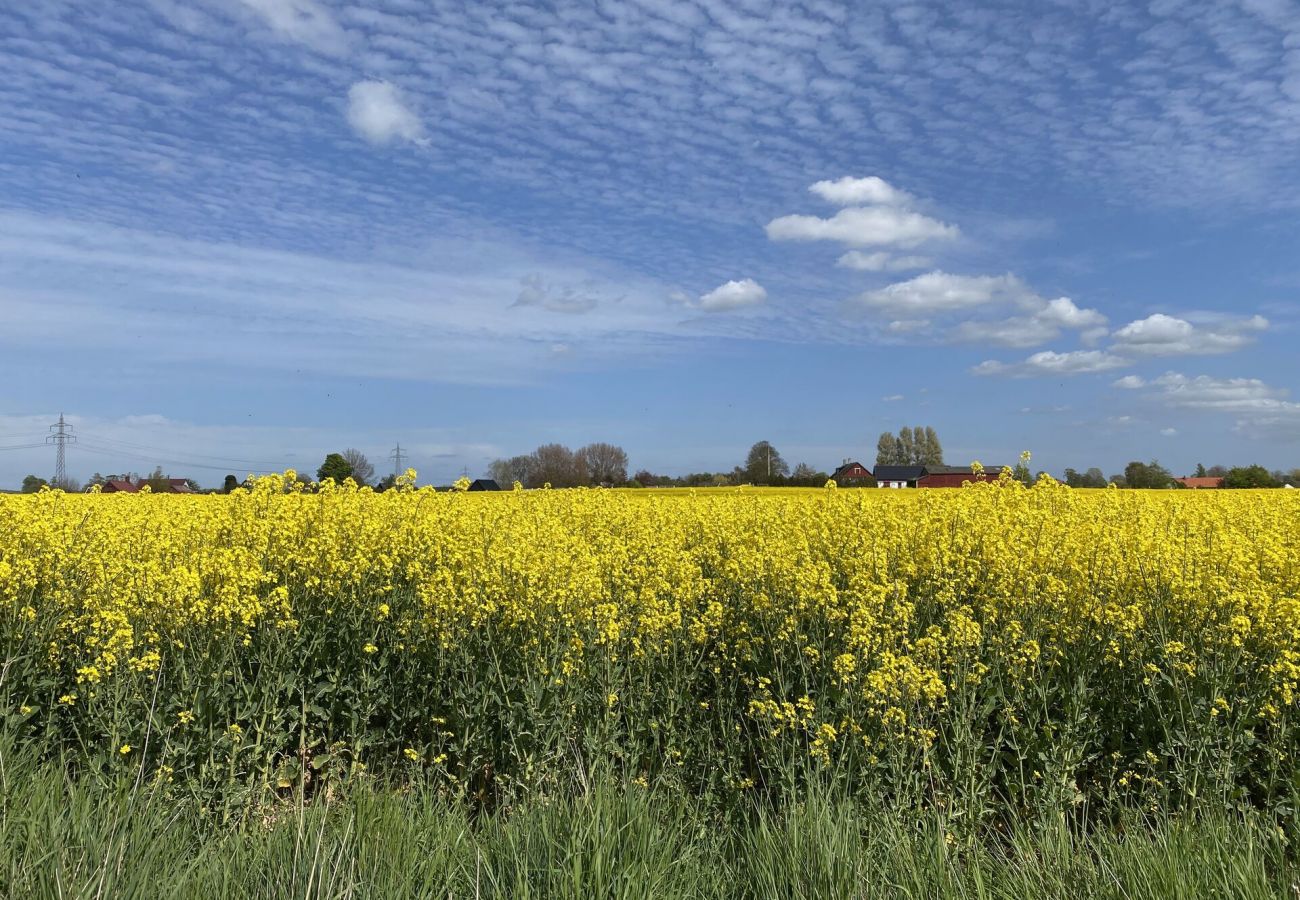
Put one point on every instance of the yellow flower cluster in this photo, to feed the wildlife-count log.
(882, 604)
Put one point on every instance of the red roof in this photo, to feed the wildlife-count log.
(119, 485)
(1200, 482)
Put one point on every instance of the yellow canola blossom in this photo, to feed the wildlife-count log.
(886, 601)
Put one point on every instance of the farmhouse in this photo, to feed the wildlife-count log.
(898, 476)
(484, 484)
(1202, 482)
(852, 474)
(128, 485)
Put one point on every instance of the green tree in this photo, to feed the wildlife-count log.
(1249, 477)
(1200, 471)
(764, 464)
(229, 484)
(933, 449)
(906, 446)
(33, 483)
(886, 449)
(1147, 475)
(336, 467)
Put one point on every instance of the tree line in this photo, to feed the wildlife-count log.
(1152, 475)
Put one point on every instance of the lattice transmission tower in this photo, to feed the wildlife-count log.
(60, 436)
(397, 456)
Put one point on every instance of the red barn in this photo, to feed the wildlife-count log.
(119, 486)
(953, 476)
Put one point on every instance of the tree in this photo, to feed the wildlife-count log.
(506, 472)
(1147, 475)
(1200, 471)
(1293, 478)
(33, 483)
(764, 463)
(1094, 478)
(1249, 477)
(336, 467)
(558, 466)
(1217, 471)
(605, 463)
(805, 475)
(158, 482)
(229, 484)
(362, 471)
(933, 449)
(887, 450)
(906, 446)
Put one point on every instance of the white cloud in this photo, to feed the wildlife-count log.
(1162, 335)
(1049, 362)
(1169, 432)
(377, 111)
(1129, 382)
(733, 295)
(869, 191)
(940, 292)
(304, 21)
(892, 398)
(880, 261)
(876, 226)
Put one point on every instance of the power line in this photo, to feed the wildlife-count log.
(61, 435)
(23, 446)
(152, 449)
(397, 456)
(162, 459)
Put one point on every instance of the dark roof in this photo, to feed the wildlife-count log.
(119, 484)
(484, 484)
(848, 465)
(953, 470)
(899, 473)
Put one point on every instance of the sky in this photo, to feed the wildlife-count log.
(236, 235)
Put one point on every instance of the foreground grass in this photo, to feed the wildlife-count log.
(66, 839)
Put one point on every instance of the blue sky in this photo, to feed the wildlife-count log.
(237, 234)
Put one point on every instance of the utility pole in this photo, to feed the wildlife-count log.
(60, 436)
(397, 456)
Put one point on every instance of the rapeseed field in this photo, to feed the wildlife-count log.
(994, 652)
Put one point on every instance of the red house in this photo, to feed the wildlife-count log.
(1202, 482)
(853, 474)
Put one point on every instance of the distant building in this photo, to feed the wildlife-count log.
(128, 485)
(953, 476)
(484, 484)
(1203, 482)
(852, 474)
(898, 476)
(929, 476)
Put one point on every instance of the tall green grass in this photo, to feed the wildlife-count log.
(75, 837)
